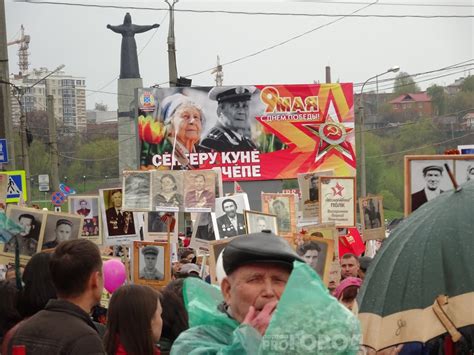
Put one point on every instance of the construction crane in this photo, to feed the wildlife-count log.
(219, 73)
(24, 42)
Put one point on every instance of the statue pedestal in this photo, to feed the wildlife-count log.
(127, 124)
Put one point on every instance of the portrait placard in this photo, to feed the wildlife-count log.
(324, 230)
(199, 191)
(258, 221)
(30, 240)
(283, 207)
(426, 177)
(204, 231)
(309, 187)
(319, 254)
(60, 227)
(136, 190)
(230, 215)
(88, 207)
(151, 264)
(167, 190)
(337, 196)
(157, 224)
(372, 218)
(215, 249)
(120, 226)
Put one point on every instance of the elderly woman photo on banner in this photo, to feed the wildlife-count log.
(177, 130)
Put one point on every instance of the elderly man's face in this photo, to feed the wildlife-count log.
(199, 183)
(117, 199)
(432, 177)
(234, 115)
(253, 285)
(230, 209)
(311, 258)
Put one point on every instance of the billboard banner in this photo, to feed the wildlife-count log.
(260, 132)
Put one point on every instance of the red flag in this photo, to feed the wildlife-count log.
(169, 218)
(351, 243)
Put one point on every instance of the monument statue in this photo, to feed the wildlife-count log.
(129, 57)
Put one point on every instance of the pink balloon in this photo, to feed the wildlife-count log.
(114, 274)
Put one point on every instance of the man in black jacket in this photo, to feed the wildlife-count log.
(64, 326)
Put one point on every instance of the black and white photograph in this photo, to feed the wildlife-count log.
(156, 226)
(61, 227)
(464, 171)
(151, 263)
(136, 190)
(204, 230)
(258, 221)
(372, 218)
(167, 190)
(427, 180)
(309, 203)
(230, 215)
(283, 207)
(88, 207)
(317, 253)
(199, 190)
(120, 226)
(31, 238)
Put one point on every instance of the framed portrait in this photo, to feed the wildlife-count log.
(258, 221)
(309, 188)
(204, 231)
(230, 215)
(426, 177)
(30, 240)
(151, 264)
(371, 217)
(324, 230)
(215, 249)
(156, 226)
(60, 227)
(337, 196)
(283, 207)
(199, 190)
(167, 190)
(136, 190)
(88, 208)
(120, 226)
(319, 254)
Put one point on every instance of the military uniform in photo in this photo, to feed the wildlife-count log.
(151, 274)
(26, 245)
(231, 227)
(119, 222)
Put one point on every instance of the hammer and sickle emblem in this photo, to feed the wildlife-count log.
(333, 130)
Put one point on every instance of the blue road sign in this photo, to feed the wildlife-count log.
(16, 185)
(3, 151)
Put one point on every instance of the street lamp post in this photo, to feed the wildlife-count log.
(19, 94)
(363, 180)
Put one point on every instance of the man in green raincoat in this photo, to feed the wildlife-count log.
(258, 268)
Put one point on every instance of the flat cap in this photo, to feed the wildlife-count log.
(63, 221)
(150, 249)
(189, 268)
(263, 247)
(364, 262)
(231, 93)
(432, 167)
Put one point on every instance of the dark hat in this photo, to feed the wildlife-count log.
(432, 167)
(63, 221)
(263, 247)
(364, 262)
(150, 249)
(231, 93)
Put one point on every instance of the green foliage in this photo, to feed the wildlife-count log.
(461, 102)
(390, 201)
(468, 84)
(404, 84)
(438, 99)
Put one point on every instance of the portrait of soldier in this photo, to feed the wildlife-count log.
(231, 223)
(27, 239)
(432, 176)
(119, 222)
(150, 271)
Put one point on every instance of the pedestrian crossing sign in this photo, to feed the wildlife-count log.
(16, 185)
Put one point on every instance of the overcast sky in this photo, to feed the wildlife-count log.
(356, 48)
